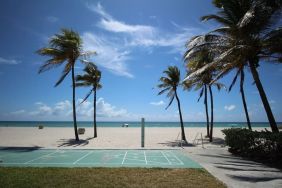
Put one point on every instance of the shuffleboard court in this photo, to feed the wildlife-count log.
(95, 158)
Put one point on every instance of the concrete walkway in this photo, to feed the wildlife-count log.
(235, 172)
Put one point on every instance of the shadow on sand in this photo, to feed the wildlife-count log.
(196, 142)
(73, 142)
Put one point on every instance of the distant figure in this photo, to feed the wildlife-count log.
(125, 125)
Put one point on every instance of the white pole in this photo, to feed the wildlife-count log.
(142, 132)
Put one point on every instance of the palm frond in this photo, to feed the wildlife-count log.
(233, 81)
(163, 91)
(86, 97)
(201, 94)
(170, 102)
(64, 74)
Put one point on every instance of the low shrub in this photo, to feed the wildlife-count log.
(264, 146)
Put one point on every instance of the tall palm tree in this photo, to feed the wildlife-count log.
(91, 78)
(64, 47)
(250, 31)
(203, 81)
(240, 72)
(169, 85)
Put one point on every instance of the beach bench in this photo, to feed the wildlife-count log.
(81, 130)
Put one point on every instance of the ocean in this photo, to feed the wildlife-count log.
(119, 124)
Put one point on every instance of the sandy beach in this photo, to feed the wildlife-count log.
(115, 138)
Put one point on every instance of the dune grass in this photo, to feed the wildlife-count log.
(106, 177)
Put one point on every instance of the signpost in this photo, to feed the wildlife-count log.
(142, 132)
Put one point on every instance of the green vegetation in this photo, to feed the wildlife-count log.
(169, 84)
(91, 78)
(107, 177)
(264, 146)
(203, 81)
(248, 32)
(64, 47)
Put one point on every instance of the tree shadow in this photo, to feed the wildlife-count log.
(73, 142)
(216, 141)
(247, 169)
(176, 143)
(20, 149)
(255, 179)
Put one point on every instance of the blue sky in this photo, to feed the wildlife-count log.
(135, 42)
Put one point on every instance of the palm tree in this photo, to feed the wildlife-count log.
(203, 81)
(240, 72)
(169, 84)
(250, 33)
(91, 78)
(64, 47)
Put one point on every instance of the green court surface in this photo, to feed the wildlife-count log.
(95, 158)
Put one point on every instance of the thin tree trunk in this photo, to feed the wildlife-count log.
(243, 98)
(180, 116)
(95, 125)
(263, 97)
(73, 104)
(207, 111)
(211, 97)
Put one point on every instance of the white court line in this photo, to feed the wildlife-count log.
(83, 157)
(166, 158)
(124, 157)
(145, 157)
(40, 157)
(177, 158)
(97, 163)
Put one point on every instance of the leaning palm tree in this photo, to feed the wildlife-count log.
(169, 84)
(249, 31)
(203, 82)
(91, 78)
(240, 72)
(64, 47)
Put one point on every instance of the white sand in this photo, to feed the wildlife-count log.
(115, 138)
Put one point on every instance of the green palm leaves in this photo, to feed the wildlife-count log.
(91, 78)
(248, 33)
(169, 84)
(64, 48)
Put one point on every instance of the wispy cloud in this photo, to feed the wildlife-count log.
(143, 35)
(115, 50)
(9, 61)
(160, 103)
(110, 55)
(230, 107)
(52, 19)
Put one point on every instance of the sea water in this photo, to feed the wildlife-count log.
(130, 124)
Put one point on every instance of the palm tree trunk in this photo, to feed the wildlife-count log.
(73, 104)
(211, 97)
(243, 98)
(207, 111)
(95, 125)
(180, 116)
(263, 97)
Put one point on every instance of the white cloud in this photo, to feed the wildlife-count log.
(230, 107)
(18, 112)
(63, 111)
(160, 103)
(52, 19)
(9, 61)
(105, 109)
(143, 35)
(109, 55)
